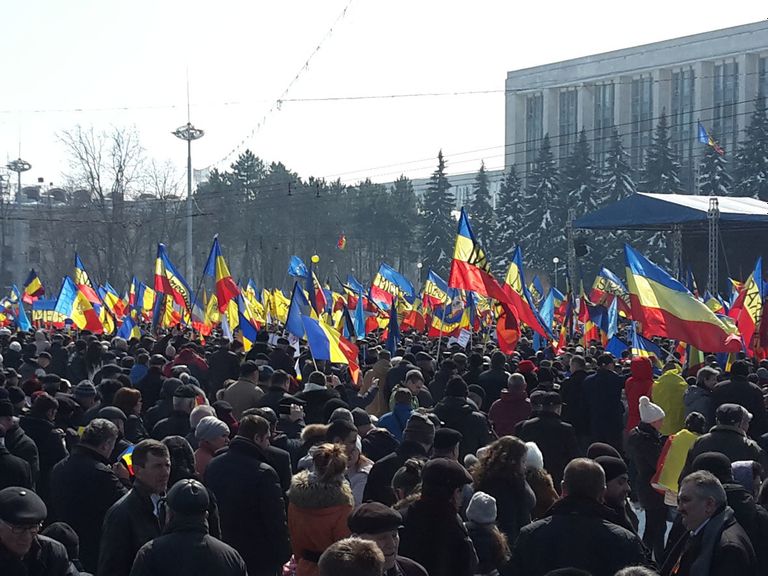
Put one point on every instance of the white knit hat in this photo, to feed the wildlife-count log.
(534, 459)
(650, 412)
(482, 508)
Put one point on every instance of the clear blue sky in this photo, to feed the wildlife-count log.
(83, 61)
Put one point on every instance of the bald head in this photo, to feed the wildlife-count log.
(584, 478)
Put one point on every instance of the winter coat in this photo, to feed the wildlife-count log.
(83, 489)
(439, 382)
(314, 409)
(699, 399)
(242, 395)
(50, 446)
(14, 471)
(135, 431)
(176, 424)
(515, 502)
(668, 392)
(317, 517)
(753, 518)
(396, 377)
(46, 557)
(434, 536)
(576, 534)
(185, 547)
(728, 440)
(602, 394)
(508, 411)
(721, 548)
(637, 385)
(493, 381)
(461, 415)
(574, 402)
(644, 446)
(396, 420)
(738, 390)
(556, 440)
(357, 481)
(379, 371)
(130, 523)
(21, 445)
(251, 506)
(279, 359)
(222, 365)
(150, 387)
(58, 360)
(379, 485)
(272, 398)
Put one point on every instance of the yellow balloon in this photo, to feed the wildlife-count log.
(315, 259)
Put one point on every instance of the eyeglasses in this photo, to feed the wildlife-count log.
(34, 529)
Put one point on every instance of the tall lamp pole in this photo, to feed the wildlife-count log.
(189, 133)
(20, 246)
(556, 261)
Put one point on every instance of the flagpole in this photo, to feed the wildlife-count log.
(440, 337)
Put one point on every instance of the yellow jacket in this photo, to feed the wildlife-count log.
(668, 392)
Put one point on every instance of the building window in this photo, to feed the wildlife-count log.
(725, 123)
(604, 119)
(641, 110)
(569, 126)
(682, 125)
(534, 127)
(762, 86)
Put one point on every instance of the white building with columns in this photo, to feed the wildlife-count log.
(713, 77)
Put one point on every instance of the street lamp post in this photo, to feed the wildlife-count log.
(555, 261)
(189, 133)
(19, 244)
(419, 266)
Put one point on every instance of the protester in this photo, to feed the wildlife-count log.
(739, 390)
(640, 383)
(602, 400)
(698, 396)
(14, 471)
(352, 557)
(490, 544)
(212, 435)
(458, 413)
(512, 407)
(668, 392)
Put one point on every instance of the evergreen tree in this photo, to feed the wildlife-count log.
(482, 215)
(542, 230)
(405, 224)
(580, 181)
(509, 215)
(714, 179)
(661, 173)
(616, 179)
(752, 156)
(439, 225)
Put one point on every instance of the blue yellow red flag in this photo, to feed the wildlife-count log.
(216, 267)
(33, 288)
(388, 284)
(520, 300)
(169, 281)
(73, 304)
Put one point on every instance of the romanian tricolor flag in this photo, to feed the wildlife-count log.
(664, 307)
(388, 284)
(325, 343)
(169, 281)
(521, 301)
(470, 269)
(706, 138)
(342, 243)
(83, 282)
(73, 304)
(129, 329)
(33, 288)
(216, 267)
(751, 311)
(127, 458)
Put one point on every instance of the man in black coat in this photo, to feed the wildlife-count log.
(177, 422)
(185, 547)
(728, 436)
(281, 358)
(224, 364)
(714, 543)
(433, 534)
(577, 531)
(602, 400)
(277, 392)
(250, 498)
(133, 520)
(23, 551)
(417, 441)
(39, 425)
(14, 471)
(16, 440)
(739, 390)
(84, 486)
(572, 393)
(316, 394)
(494, 380)
(456, 412)
(556, 439)
(151, 384)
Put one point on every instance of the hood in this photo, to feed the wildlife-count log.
(307, 491)
(514, 395)
(641, 368)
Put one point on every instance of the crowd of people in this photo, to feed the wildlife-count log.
(176, 455)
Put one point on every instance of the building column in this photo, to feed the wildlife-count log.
(622, 110)
(662, 92)
(748, 82)
(703, 92)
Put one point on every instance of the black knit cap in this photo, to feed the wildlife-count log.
(374, 518)
(612, 466)
(446, 439)
(715, 462)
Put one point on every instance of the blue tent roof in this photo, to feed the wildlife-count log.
(644, 211)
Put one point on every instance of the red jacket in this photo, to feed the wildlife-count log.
(507, 411)
(639, 384)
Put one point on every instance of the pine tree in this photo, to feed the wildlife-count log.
(752, 157)
(542, 230)
(509, 214)
(482, 215)
(439, 225)
(616, 179)
(405, 225)
(714, 179)
(661, 173)
(580, 178)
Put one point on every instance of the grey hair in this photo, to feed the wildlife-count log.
(707, 486)
(183, 404)
(636, 571)
(704, 372)
(200, 412)
(98, 432)
(516, 381)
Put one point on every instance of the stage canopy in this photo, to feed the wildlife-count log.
(645, 211)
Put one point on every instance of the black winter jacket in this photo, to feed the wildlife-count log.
(46, 558)
(644, 445)
(50, 446)
(739, 390)
(21, 445)
(556, 440)
(728, 440)
(379, 485)
(515, 501)
(14, 471)
(459, 414)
